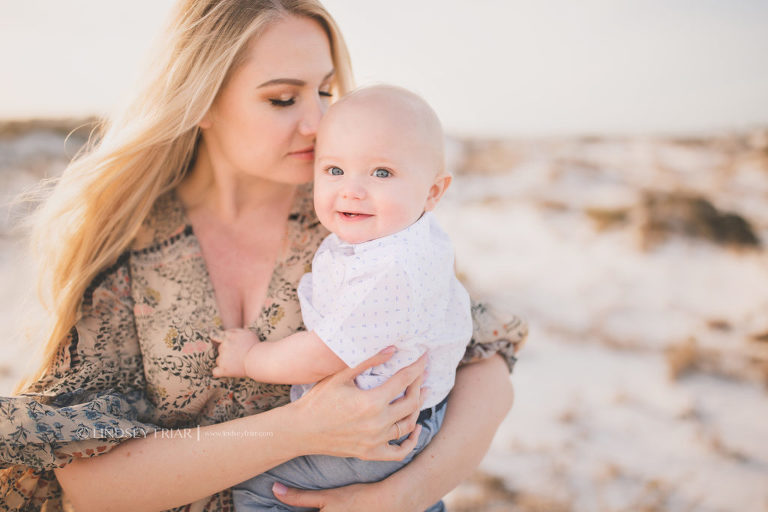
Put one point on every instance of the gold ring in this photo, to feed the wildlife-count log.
(397, 426)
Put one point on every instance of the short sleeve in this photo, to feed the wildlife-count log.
(90, 400)
(370, 313)
(495, 331)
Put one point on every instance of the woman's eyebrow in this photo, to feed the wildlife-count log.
(292, 81)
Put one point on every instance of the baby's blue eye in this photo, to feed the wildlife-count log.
(381, 173)
(335, 171)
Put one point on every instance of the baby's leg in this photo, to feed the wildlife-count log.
(324, 472)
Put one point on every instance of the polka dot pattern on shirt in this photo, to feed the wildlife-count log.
(397, 290)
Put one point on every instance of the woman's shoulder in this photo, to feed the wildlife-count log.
(166, 222)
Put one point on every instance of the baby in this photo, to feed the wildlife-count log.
(384, 276)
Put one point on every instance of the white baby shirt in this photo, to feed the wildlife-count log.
(396, 290)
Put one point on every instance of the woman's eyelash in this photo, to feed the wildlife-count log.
(287, 103)
(282, 103)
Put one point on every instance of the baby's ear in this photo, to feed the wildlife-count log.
(436, 191)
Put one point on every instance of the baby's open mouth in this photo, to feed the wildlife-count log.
(352, 215)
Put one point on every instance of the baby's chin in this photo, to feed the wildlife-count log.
(358, 238)
(361, 238)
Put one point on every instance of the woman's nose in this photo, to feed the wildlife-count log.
(310, 120)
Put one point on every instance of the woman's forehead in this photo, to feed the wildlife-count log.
(290, 47)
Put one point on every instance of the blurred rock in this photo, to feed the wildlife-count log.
(664, 214)
(720, 355)
(758, 141)
(606, 217)
(63, 127)
(719, 325)
(487, 493)
(681, 359)
(489, 156)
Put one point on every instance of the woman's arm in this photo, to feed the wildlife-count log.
(480, 400)
(452, 456)
(176, 467)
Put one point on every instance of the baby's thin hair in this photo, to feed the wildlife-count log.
(410, 102)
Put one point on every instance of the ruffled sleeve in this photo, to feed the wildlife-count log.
(90, 400)
(495, 331)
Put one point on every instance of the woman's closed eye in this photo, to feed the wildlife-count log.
(287, 102)
(280, 102)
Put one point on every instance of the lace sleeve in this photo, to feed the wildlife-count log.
(495, 331)
(90, 400)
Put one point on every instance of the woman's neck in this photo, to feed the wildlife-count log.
(228, 195)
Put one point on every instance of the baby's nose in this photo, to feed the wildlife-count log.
(353, 191)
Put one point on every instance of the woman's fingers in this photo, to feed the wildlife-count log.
(350, 498)
(405, 425)
(395, 452)
(361, 423)
(381, 357)
(400, 381)
(405, 411)
(298, 497)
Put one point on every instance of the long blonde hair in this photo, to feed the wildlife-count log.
(104, 195)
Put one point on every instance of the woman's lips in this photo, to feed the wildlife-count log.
(304, 154)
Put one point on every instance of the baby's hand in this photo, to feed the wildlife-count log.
(234, 345)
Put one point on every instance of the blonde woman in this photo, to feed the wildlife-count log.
(193, 213)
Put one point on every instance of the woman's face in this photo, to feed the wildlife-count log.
(263, 122)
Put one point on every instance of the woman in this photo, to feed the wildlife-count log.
(192, 214)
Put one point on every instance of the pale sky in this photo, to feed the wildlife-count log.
(489, 67)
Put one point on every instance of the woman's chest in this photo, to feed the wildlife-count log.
(176, 313)
(176, 310)
(240, 271)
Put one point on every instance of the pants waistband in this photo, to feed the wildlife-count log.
(425, 414)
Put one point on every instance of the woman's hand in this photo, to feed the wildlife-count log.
(234, 345)
(349, 422)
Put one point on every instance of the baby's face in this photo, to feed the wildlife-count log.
(373, 176)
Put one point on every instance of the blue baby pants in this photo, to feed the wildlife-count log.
(325, 472)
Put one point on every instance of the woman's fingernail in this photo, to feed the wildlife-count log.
(388, 350)
(279, 489)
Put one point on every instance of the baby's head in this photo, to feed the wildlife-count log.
(379, 163)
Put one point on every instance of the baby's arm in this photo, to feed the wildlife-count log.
(301, 358)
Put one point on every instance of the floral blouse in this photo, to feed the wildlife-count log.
(141, 356)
